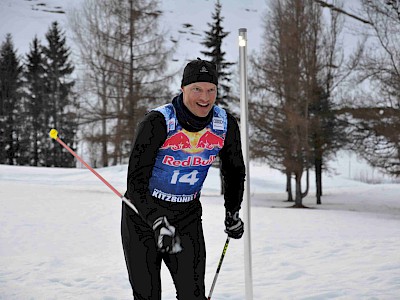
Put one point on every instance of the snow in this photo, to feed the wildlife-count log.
(60, 238)
(60, 228)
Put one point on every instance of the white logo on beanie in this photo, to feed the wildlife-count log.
(203, 70)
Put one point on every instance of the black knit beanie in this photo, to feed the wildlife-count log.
(200, 71)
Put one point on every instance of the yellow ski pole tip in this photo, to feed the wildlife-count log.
(53, 134)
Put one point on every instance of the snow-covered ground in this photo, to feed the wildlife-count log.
(60, 239)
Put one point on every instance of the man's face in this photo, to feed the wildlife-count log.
(199, 97)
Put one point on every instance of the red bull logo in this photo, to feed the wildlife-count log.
(189, 161)
(193, 141)
(176, 142)
(210, 141)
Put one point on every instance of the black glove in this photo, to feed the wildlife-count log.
(234, 226)
(166, 239)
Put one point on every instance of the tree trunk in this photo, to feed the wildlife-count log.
(104, 137)
(104, 151)
(298, 201)
(299, 194)
(35, 149)
(304, 194)
(289, 186)
(318, 178)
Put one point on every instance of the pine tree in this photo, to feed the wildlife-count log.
(61, 109)
(35, 103)
(10, 83)
(213, 42)
(326, 134)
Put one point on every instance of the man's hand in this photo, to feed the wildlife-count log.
(234, 226)
(166, 239)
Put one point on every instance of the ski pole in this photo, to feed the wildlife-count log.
(219, 267)
(54, 135)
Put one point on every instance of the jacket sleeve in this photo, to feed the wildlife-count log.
(151, 134)
(233, 168)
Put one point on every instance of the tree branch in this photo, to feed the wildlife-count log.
(339, 10)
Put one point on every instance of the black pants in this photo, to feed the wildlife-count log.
(143, 261)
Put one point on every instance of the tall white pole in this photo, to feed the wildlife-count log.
(245, 147)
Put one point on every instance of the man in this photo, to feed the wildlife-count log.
(174, 148)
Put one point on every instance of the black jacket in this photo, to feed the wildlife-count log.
(151, 134)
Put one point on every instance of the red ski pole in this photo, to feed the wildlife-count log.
(54, 135)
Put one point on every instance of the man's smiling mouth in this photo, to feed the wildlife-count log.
(203, 105)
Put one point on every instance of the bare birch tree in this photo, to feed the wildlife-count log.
(92, 27)
(125, 59)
